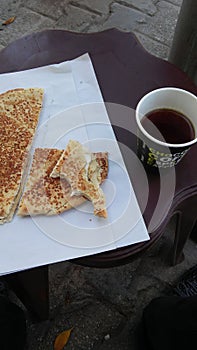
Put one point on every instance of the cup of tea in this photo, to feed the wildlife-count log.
(167, 126)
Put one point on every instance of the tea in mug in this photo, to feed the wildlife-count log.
(173, 126)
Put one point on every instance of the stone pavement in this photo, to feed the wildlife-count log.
(102, 305)
(153, 21)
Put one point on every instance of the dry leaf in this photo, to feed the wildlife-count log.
(62, 339)
(8, 21)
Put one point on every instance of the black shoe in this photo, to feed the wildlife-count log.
(3, 289)
(187, 285)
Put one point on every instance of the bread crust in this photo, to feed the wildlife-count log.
(79, 167)
(46, 195)
(19, 114)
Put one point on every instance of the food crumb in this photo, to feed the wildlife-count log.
(107, 337)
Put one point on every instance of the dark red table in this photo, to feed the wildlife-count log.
(125, 72)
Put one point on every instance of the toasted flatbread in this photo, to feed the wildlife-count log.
(77, 165)
(44, 195)
(19, 113)
(23, 105)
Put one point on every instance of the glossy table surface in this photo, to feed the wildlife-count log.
(125, 72)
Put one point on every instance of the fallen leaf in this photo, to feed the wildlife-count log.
(62, 339)
(8, 21)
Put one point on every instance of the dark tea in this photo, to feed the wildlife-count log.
(174, 126)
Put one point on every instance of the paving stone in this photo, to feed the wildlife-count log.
(53, 9)
(25, 23)
(153, 46)
(146, 6)
(159, 263)
(118, 341)
(97, 5)
(1, 47)
(156, 27)
(90, 326)
(114, 285)
(175, 2)
(121, 17)
(76, 19)
(9, 8)
(75, 291)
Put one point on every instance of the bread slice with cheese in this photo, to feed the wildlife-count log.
(78, 166)
(46, 195)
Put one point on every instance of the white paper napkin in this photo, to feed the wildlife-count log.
(73, 109)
